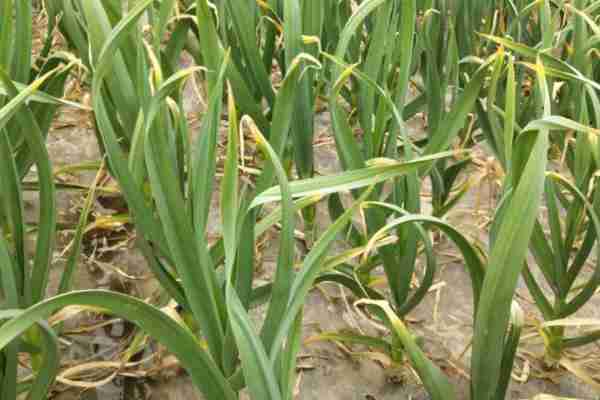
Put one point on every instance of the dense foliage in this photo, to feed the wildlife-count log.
(516, 78)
